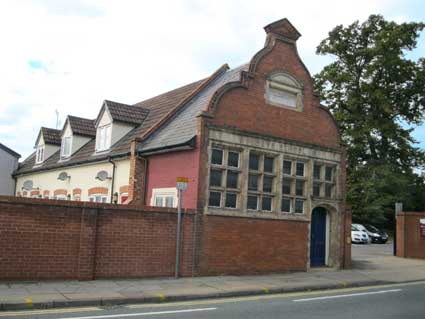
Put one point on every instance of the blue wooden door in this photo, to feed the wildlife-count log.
(318, 237)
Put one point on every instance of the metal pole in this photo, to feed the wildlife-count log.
(398, 209)
(179, 221)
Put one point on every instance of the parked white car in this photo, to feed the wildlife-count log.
(358, 236)
(363, 229)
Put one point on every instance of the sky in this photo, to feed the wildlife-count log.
(67, 56)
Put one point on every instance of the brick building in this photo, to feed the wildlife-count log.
(264, 159)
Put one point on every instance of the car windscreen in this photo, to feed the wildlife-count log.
(372, 228)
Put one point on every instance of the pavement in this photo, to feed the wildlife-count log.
(372, 265)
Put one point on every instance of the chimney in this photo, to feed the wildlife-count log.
(282, 29)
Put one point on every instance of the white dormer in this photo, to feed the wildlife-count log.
(47, 143)
(103, 132)
(39, 152)
(115, 120)
(66, 146)
(76, 133)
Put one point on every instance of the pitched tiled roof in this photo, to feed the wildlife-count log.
(180, 127)
(126, 113)
(51, 136)
(82, 126)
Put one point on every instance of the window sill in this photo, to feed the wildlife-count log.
(228, 212)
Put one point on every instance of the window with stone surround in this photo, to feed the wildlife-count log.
(283, 90)
(224, 178)
(294, 183)
(261, 182)
(323, 180)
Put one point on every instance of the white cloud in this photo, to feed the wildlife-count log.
(131, 50)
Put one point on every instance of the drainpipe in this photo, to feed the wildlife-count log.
(113, 178)
(145, 190)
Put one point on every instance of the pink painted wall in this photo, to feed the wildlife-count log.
(164, 169)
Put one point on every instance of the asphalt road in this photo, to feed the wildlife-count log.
(390, 301)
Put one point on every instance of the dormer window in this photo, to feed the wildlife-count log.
(285, 91)
(39, 154)
(103, 138)
(66, 146)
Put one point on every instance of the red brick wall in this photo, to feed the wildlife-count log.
(140, 244)
(410, 244)
(38, 241)
(46, 239)
(164, 169)
(234, 245)
(247, 110)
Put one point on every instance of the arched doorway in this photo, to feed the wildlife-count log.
(318, 237)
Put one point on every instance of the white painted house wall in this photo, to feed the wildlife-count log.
(81, 177)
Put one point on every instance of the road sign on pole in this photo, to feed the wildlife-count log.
(181, 186)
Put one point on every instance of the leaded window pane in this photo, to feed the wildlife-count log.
(328, 173)
(215, 199)
(286, 205)
(232, 179)
(233, 159)
(252, 202)
(328, 190)
(286, 186)
(217, 157)
(266, 203)
(215, 177)
(316, 171)
(268, 184)
(299, 188)
(268, 164)
(254, 161)
(252, 182)
(316, 189)
(300, 169)
(231, 200)
(299, 206)
(287, 167)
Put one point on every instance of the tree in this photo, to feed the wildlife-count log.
(376, 93)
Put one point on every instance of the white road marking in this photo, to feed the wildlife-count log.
(349, 295)
(142, 314)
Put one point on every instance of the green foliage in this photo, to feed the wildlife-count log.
(374, 92)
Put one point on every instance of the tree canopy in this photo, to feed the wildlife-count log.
(377, 94)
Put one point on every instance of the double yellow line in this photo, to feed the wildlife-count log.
(209, 301)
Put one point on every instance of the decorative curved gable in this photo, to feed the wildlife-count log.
(275, 85)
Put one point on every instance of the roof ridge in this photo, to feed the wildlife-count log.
(185, 100)
(79, 117)
(49, 128)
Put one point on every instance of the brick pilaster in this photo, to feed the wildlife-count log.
(137, 183)
(87, 249)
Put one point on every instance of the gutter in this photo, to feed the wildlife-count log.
(77, 163)
(188, 145)
(113, 179)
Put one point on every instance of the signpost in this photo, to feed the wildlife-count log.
(181, 186)
(422, 227)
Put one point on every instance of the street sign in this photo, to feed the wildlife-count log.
(182, 183)
(181, 186)
(422, 227)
